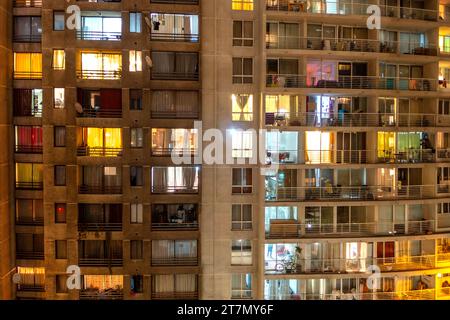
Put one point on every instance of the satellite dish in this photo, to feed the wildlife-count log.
(147, 21)
(149, 61)
(78, 107)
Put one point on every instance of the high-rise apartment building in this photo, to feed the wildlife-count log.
(354, 176)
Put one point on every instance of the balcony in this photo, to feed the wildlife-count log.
(427, 294)
(175, 261)
(21, 148)
(171, 104)
(99, 226)
(99, 74)
(35, 185)
(358, 265)
(291, 229)
(27, 3)
(174, 295)
(29, 221)
(86, 151)
(28, 75)
(85, 189)
(188, 76)
(33, 38)
(99, 113)
(345, 119)
(38, 287)
(174, 217)
(99, 35)
(361, 193)
(349, 45)
(100, 262)
(30, 255)
(175, 66)
(346, 9)
(103, 294)
(351, 82)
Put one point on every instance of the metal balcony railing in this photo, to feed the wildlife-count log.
(358, 265)
(21, 148)
(32, 255)
(30, 221)
(99, 74)
(100, 113)
(99, 35)
(105, 294)
(346, 119)
(175, 114)
(174, 189)
(99, 226)
(27, 3)
(175, 261)
(174, 295)
(175, 226)
(183, 37)
(27, 38)
(31, 287)
(351, 82)
(290, 230)
(100, 262)
(35, 185)
(85, 189)
(28, 75)
(86, 151)
(352, 45)
(364, 193)
(317, 7)
(427, 294)
(160, 151)
(188, 76)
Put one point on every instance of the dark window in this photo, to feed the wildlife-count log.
(60, 175)
(136, 176)
(137, 284)
(61, 283)
(60, 249)
(135, 99)
(136, 249)
(60, 136)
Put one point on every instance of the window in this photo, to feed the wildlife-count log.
(137, 284)
(241, 252)
(135, 22)
(242, 70)
(137, 137)
(58, 20)
(27, 29)
(136, 249)
(58, 96)
(100, 25)
(241, 217)
(100, 65)
(241, 286)
(135, 61)
(100, 142)
(28, 139)
(243, 33)
(242, 180)
(135, 99)
(29, 212)
(136, 213)
(60, 213)
(246, 5)
(175, 179)
(242, 107)
(29, 175)
(59, 59)
(443, 208)
(27, 65)
(242, 143)
(136, 176)
(171, 104)
(60, 175)
(444, 107)
(27, 102)
(59, 136)
(61, 283)
(61, 249)
(178, 27)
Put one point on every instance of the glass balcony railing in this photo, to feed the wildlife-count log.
(351, 82)
(279, 229)
(362, 193)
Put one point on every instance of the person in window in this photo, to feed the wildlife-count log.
(181, 214)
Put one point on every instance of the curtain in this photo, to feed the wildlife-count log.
(22, 102)
(113, 138)
(92, 176)
(59, 58)
(186, 63)
(163, 249)
(113, 176)
(185, 283)
(163, 62)
(163, 283)
(22, 27)
(159, 178)
(185, 249)
(186, 101)
(103, 282)
(28, 65)
(29, 136)
(163, 101)
(112, 62)
(190, 177)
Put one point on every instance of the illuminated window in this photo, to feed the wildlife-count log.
(59, 59)
(58, 96)
(27, 65)
(318, 147)
(246, 5)
(60, 213)
(135, 22)
(136, 213)
(29, 175)
(31, 278)
(444, 43)
(242, 107)
(102, 141)
(241, 143)
(175, 179)
(241, 286)
(101, 65)
(167, 141)
(241, 252)
(135, 61)
(137, 138)
(386, 144)
(100, 25)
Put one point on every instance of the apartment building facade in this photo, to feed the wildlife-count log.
(357, 124)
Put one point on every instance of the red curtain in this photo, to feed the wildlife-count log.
(29, 136)
(111, 98)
